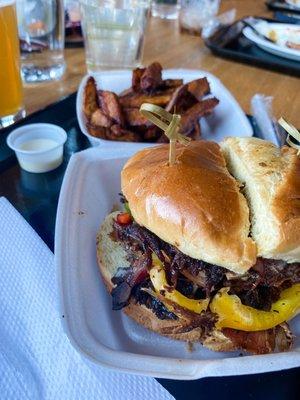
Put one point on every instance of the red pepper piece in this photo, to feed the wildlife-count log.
(124, 218)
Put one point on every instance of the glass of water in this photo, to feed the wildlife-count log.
(166, 9)
(41, 26)
(195, 14)
(113, 32)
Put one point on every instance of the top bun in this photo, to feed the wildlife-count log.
(195, 204)
(272, 186)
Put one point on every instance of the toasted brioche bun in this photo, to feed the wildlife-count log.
(272, 187)
(111, 256)
(195, 204)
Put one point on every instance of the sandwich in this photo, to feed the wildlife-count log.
(208, 249)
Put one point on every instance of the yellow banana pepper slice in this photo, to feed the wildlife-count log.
(159, 281)
(233, 314)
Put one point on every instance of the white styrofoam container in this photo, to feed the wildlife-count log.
(109, 338)
(228, 119)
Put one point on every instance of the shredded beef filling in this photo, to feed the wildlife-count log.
(262, 284)
(151, 302)
(258, 288)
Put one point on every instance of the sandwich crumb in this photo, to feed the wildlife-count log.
(190, 347)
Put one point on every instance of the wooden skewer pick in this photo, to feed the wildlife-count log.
(169, 123)
(292, 131)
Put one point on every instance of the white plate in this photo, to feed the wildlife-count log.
(109, 338)
(293, 4)
(273, 48)
(227, 119)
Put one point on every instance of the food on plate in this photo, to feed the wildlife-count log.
(136, 99)
(293, 2)
(90, 102)
(281, 35)
(116, 117)
(288, 37)
(207, 250)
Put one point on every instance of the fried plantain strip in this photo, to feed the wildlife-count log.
(199, 88)
(118, 133)
(171, 83)
(136, 78)
(135, 100)
(90, 101)
(200, 109)
(134, 118)
(109, 104)
(98, 131)
(151, 78)
(181, 100)
(196, 132)
(98, 118)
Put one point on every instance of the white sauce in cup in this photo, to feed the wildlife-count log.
(38, 147)
(38, 144)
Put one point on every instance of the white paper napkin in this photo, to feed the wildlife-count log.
(36, 359)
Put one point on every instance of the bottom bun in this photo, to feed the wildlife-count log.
(111, 256)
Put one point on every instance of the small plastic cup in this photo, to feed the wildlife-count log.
(38, 147)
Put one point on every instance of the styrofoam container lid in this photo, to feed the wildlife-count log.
(110, 338)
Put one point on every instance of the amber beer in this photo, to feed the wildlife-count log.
(11, 94)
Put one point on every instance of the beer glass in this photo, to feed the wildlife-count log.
(11, 91)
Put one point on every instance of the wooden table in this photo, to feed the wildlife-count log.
(164, 43)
